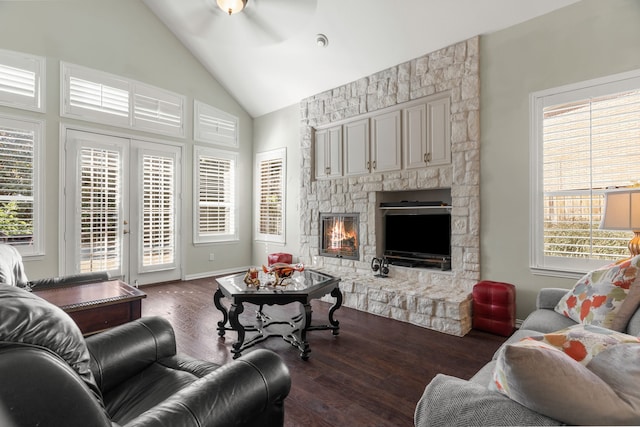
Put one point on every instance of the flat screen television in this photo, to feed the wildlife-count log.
(418, 236)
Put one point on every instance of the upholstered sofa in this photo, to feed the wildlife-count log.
(129, 375)
(450, 401)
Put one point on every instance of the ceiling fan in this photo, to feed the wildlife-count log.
(250, 23)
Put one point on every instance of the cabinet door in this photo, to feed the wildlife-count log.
(328, 153)
(415, 136)
(320, 153)
(438, 139)
(356, 148)
(386, 145)
(333, 157)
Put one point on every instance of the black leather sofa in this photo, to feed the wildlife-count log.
(130, 375)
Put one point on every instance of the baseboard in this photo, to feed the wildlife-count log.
(214, 273)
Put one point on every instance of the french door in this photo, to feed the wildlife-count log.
(122, 207)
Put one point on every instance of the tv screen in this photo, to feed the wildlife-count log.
(419, 235)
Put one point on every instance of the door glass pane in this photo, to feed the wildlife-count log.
(158, 211)
(100, 208)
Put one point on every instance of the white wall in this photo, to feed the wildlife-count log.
(281, 129)
(123, 37)
(583, 41)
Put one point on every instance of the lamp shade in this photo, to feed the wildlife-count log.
(621, 210)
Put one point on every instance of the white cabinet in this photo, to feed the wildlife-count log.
(426, 137)
(356, 148)
(419, 131)
(373, 145)
(386, 143)
(328, 152)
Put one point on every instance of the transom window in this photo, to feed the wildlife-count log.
(585, 141)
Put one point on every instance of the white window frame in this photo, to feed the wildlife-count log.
(198, 153)
(214, 126)
(36, 248)
(21, 74)
(267, 156)
(169, 112)
(539, 263)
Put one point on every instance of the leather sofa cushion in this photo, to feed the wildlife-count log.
(27, 318)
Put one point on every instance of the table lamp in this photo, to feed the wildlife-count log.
(622, 212)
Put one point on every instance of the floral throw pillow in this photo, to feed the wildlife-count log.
(598, 296)
(547, 380)
(583, 342)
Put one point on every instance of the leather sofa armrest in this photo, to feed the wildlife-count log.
(249, 391)
(452, 401)
(72, 279)
(39, 388)
(120, 352)
(548, 298)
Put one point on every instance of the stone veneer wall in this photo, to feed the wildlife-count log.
(426, 297)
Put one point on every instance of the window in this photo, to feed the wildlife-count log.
(158, 211)
(215, 177)
(585, 140)
(270, 197)
(20, 194)
(106, 98)
(21, 80)
(214, 126)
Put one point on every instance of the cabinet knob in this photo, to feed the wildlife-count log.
(427, 157)
(368, 165)
(374, 164)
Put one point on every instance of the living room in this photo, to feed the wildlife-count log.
(585, 40)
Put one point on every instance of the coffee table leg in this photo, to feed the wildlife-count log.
(337, 294)
(304, 345)
(225, 316)
(236, 309)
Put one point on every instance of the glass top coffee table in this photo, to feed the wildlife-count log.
(302, 287)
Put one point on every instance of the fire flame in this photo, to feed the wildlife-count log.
(338, 235)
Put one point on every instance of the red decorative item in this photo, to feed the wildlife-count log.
(279, 257)
(494, 307)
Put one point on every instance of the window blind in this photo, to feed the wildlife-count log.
(100, 207)
(214, 126)
(158, 110)
(98, 97)
(270, 221)
(21, 80)
(271, 195)
(16, 184)
(158, 211)
(216, 196)
(106, 98)
(589, 145)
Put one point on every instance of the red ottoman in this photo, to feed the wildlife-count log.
(279, 257)
(494, 307)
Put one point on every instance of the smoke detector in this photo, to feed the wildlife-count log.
(322, 40)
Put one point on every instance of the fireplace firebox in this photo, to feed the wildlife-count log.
(339, 235)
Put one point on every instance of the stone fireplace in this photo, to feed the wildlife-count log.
(431, 298)
(339, 235)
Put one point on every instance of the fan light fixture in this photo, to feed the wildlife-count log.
(231, 6)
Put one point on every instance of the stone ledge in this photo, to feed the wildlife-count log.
(433, 306)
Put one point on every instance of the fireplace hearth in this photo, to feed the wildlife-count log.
(339, 235)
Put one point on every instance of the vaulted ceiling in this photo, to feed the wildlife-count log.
(268, 58)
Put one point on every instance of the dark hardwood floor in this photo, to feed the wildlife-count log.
(371, 374)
